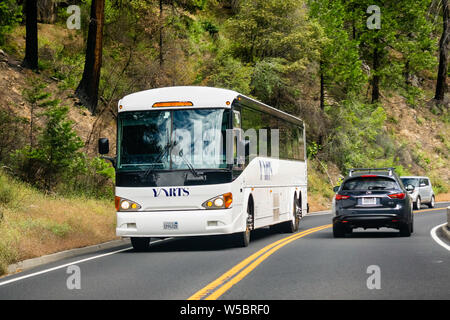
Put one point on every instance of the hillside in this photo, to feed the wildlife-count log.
(420, 137)
(314, 61)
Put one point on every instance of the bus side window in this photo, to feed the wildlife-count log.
(237, 119)
(237, 137)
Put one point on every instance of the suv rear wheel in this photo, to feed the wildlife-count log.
(406, 229)
(338, 230)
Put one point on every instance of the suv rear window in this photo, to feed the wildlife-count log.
(411, 181)
(376, 183)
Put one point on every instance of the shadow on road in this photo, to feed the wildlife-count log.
(372, 234)
(206, 243)
(359, 234)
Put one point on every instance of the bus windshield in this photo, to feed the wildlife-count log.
(172, 139)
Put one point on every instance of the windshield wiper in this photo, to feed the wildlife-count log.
(189, 164)
(166, 149)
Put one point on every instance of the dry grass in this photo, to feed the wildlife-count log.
(320, 188)
(443, 197)
(33, 224)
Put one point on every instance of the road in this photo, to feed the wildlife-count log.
(310, 264)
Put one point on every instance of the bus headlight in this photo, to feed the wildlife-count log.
(126, 205)
(223, 201)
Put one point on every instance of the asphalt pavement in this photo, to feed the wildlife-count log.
(311, 264)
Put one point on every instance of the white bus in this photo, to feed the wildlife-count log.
(187, 164)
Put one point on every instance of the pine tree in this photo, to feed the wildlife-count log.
(401, 47)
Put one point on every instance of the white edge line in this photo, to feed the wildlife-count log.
(60, 267)
(69, 264)
(317, 214)
(436, 238)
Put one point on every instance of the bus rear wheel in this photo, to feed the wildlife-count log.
(291, 226)
(140, 244)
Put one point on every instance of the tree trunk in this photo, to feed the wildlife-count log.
(322, 87)
(46, 11)
(161, 56)
(376, 77)
(87, 90)
(31, 47)
(441, 85)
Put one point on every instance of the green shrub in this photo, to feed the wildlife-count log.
(12, 134)
(59, 230)
(56, 152)
(357, 128)
(10, 16)
(6, 193)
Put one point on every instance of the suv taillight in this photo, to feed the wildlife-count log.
(341, 197)
(400, 196)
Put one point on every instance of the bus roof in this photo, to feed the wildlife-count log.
(200, 97)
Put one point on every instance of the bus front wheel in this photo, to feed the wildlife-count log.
(292, 226)
(243, 238)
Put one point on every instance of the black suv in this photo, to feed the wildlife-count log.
(372, 198)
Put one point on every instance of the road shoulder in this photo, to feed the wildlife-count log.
(35, 262)
(444, 233)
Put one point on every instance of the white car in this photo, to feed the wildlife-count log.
(420, 190)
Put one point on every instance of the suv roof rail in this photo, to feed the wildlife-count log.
(390, 170)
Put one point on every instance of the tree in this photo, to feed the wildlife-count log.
(161, 27)
(278, 40)
(191, 6)
(401, 48)
(87, 90)
(403, 45)
(31, 40)
(441, 84)
(10, 15)
(56, 151)
(341, 72)
(58, 145)
(37, 98)
(46, 10)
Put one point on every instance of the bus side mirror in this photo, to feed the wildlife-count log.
(335, 189)
(103, 146)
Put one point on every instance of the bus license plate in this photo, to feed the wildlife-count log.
(369, 201)
(170, 225)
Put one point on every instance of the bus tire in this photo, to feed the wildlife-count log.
(140, 244)
(242, 239)
(291, 226)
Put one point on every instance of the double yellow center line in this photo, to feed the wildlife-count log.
(219, 286)
(427, 210)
